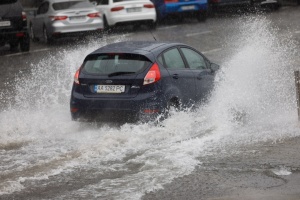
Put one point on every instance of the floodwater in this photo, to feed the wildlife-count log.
(44, 155)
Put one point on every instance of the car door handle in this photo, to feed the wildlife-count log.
(175, 76)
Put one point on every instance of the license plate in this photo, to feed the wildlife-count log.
(188, 7)
(77, 18)
(109, 88)
(5, 23)
(134, 9)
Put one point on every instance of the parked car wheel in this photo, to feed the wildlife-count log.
(32, 36)
(105, 23)
(153, 25)
(201, 16)
(47, 38)
(14, 45)
(25, 43)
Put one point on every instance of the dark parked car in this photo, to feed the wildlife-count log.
(235, 4)
(140, 80)
(13, 25)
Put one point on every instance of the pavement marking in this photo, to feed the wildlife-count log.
(297, 32)
(211, 51)
(23, 53)
(167, 27)
(199, 33)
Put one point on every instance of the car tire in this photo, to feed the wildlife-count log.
(14, 45)
(172, 106)
(47, 38)
(25, 43)
(32, 36)
(201, 16)
(105, 24)
(152, 25)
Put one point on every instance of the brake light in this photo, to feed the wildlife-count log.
(58, 18)
(153, 75)
(148, 6)
(117, 9)
(76, 76)
(24, 17)
(93, 15)
(171, 1)
(21, 34)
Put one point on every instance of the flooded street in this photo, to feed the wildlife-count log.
(243, 142)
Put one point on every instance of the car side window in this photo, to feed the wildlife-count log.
(194, 59)
(172, 59)
(103, 2)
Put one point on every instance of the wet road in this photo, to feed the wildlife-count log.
(243, 143)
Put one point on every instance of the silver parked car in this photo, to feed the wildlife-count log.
(58, 18)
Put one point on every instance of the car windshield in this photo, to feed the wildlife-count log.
(115, 64)
(71, 5)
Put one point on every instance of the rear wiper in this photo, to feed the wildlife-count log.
(119, 73)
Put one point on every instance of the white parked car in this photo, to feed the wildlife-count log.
(117, 12)
(59, 18)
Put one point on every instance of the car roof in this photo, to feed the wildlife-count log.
(147, 48)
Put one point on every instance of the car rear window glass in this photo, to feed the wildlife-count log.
(71, 5)
(104, 64)
(10, 8)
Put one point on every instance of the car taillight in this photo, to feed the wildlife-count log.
(58, 18)
(148, 6)
(93, 15)
(24, 17)
(76, 77)
(117, 9)
(171, 1)
(153, 75)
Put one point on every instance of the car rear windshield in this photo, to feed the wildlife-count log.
(2, 2)
(114, 63)
(71, 5)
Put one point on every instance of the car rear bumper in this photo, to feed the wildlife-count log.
(137, 17)
(142, 104)
(12, 35)
(181, 7)
(59, 27)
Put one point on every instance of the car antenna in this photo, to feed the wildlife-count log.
(153, 35)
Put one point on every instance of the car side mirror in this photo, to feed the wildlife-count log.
(214, 67)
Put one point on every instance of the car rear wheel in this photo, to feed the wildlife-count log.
(105, 23)
(201, 16)
(153, 25)
(32, 36)
(172, 106)
(14, 45)
(47, 38)
(25, 43)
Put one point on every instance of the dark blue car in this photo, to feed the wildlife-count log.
(189, 8)
(140, 80)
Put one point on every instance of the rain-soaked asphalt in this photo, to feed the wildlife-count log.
(242, 144)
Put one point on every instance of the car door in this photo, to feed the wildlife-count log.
(203, 75)
(182, 78)
(38, 22)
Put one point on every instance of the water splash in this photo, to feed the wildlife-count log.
(253, 101)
